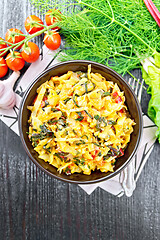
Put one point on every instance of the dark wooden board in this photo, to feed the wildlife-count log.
(35, 206)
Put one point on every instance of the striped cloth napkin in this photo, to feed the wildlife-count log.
(124, 182)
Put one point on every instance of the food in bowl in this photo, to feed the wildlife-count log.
(80, 123)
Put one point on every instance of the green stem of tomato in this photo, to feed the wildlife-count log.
(6, 43)
(42, 25)
(21, 34)
(28, 37)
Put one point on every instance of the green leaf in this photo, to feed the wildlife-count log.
(96, 117)
(157, 59)
(153, 80)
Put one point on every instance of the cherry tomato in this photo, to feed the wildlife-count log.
(2, 45)
(15, 61)
(3, 67)
(52, 40)
(33, 24)
(53, 16)
(12, 36)
(30, 52)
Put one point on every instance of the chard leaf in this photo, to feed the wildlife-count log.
(157, 59)
(153, 80)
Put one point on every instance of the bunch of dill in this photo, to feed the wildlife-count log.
(117, 33)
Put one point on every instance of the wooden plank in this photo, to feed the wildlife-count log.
(35, 206)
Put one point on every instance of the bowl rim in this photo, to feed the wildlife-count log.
(140, 132)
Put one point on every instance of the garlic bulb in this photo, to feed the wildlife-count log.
(7, 95)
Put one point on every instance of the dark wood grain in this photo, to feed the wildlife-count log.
(35, 206)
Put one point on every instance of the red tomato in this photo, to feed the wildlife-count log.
(15, 61)
(122, 110)
(12, 36)
(52, 40)
(30, 52)
(114, 95)
(53, 16)
(33, 24)
(118, 99)
(3, 67)
(2, 45)
(121, 152)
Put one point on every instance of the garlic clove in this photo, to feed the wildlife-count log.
(8, 96)
(12, 79)
(11, 105)
(1, 88)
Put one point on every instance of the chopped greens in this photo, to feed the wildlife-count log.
(116, 33)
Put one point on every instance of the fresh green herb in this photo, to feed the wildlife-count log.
(67, 171)
(60, 129)
(99, 154)
(116, 33)
(47, 149)
(106, 157)
(86, 89)
(104, 94)
(74, 131)
(64, 114)
(111, 122)
(46, 103)
(113, 163)
(104, 121)
(79, 161)
(74, 99)
(96, 117)
(66, 132)
(44, 133)
(59, 156)
(88, 114)
(44, 129)
(81, 142)
(98, 145)
(113, 151)
(84, 136)
(80, 118)
(54, 110)
(62, 122)
(51, 121)
(66, 100)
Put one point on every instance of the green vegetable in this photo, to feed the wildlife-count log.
(80, 118)
(106, 94)
(81, 142)
(96, 117)
(74, 99)
(88, 114)
(86, 89)
(111, 122)
(66, 100)
(151, 75)
(79, 161)
(116, 33)
(104, 121)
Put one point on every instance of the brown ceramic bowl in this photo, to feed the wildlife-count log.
(131, 102)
